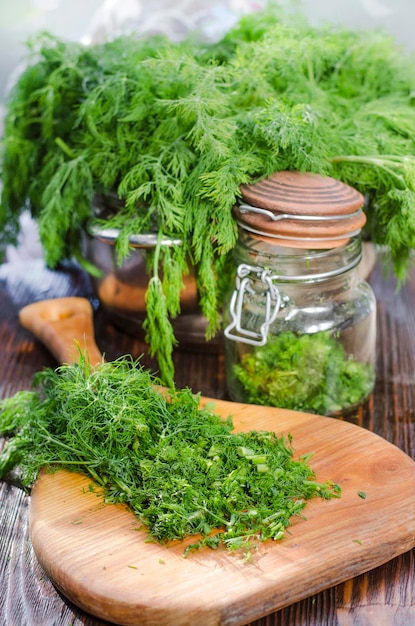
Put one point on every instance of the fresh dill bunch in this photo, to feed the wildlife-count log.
(174, 128)
(158, 329)
(180, 468)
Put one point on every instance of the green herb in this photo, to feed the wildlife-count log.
(175, 128)
(303, 372)
(181, 469)
(361, 494)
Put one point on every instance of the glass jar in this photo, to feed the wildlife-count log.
(301, 323)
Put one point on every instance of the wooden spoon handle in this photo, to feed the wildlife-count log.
(62, 324)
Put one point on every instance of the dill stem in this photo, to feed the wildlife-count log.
(157, 250)
(65, 148)
(216, 517)
(380, 162)
(48, 437)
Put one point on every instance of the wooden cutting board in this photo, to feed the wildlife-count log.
(97, 558)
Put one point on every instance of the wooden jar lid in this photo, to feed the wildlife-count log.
(301, 210)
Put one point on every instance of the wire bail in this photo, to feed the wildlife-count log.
(243, 286)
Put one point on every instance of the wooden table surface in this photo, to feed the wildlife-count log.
(382, 597)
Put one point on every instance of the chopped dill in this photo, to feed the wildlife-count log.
(180, 468)
(308, 372)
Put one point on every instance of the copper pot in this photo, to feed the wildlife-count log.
(121, 288)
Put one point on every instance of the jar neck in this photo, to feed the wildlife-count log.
(290, 264)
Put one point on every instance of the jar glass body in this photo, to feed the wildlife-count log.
(300, 328)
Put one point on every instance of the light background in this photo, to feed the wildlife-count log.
(78, 19)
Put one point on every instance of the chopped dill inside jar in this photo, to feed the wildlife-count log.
(180, 468)
(308, 372)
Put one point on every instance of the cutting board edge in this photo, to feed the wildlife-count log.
(239, 614)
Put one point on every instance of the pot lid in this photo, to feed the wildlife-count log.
(301, 210)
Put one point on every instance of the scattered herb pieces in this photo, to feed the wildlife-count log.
(174, 128)
(308, 372)
(361, 494)
(179, 467)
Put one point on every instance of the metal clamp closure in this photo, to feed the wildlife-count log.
(276, 216)
(243, 286)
